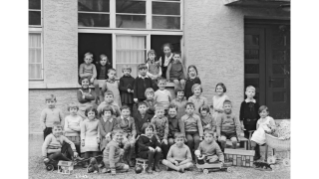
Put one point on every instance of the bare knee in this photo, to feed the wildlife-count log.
(171, 141)
(165, 162)
(222, 139)
(234, 140)
(126, 167)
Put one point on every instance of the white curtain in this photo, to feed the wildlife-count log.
(130, 51)
(35, 61)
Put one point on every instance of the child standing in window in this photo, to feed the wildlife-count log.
(180, 102)
(153, 66)
(191, 80)
(166, 58)
(103, 67)
(126, 87)
(111, 84)
(142, 82)
(197, 98)
(208, 121)
(85, 97)
(162, 96)
(50, 115)
(160, 123)
(72, 128)
(176, 72)
(218, 100)
(88, 69)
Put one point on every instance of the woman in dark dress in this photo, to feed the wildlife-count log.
(166, 58)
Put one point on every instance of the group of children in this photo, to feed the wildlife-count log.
(138, 118)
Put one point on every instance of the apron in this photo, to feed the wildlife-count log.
(114, 87)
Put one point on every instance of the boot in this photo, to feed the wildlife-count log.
(156, 162)
(149, 169)
(257, 153)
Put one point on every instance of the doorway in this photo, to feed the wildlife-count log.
(267, 64)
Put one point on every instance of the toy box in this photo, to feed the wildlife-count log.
(65, 167)
(243, 158)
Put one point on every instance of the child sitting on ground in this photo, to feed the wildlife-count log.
(160, 123)
(111, 84)
(180, 102)
(113, 153)
(85, 97)
(103, 67)
(72, 126)
(162, 96)
(55, 145)
(197, 98)
(50, 115)
(176, 72)
(191, 80)
(149, 93)
(265, 124)
(141, 117)
(148, 147)
(108, 101)
(174, 123)
(228, 126)
(142, 82)
(179, 156)
(209, 148)
(208, 121)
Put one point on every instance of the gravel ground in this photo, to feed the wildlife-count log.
(37, 171)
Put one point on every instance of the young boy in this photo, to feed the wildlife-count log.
(113, 153)
(142, 82)
(72, 125)
(162, 96)
(179, 156)
(141, 117)
(160, 123)
(127, 124)
(149, 93)
(108, 101)
(176, 72)
(103, 67)
(208, 147)
(58, 147)
(88, 69)
(228, 126)
(180, 102)
(50, 115)
(248, 115)
(174, 124)
(208, 121)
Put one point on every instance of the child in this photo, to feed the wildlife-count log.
(162, 96)
(166, 58)
(108, 101)
(208, 147)
(179, 156)
(127, 124)
(148, 147)
(50, 115)
(142, 82)
(107, 124)
(85, 97)
(113, 153)
(197, 98)
(141, 117)
(55, 145)
(265, 124)
(191, 127)
(149, 93)
(191, 80)
(111, 84)
(90, 134)
(88, 69)
(72, 125)
(153, 66)
(228, 126)
(160, 123)
(126, 87)
(174, 124)
(248, 115)
(103, 67)
(208, 121)
(218, 100)
(180, 102)
(176, 72)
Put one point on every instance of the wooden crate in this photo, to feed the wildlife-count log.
(238, 157)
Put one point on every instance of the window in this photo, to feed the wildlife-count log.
(35, 12)
(35, 57)
(130, 14)
(94, 13)
(166, 15)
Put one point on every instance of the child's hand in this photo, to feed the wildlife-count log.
(92, 80)
(158, 149)
(242, 127)
(135, 100)
(128, 90)
(151, 149)
(83, 96)
(197, 153)
(176, 163)
(75, 154)
(46, 160)
(165, 141)
(201, 138)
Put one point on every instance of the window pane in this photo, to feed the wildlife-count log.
(251, 68)
(161, 22)
(130, 21)
(35, 60)
(94, 20)
(34, 4)
(34, 18)
(130, 6)
(165, 8)
(94, 5)
(252, 54)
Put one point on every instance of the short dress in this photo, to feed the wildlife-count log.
(114, 87)
(218, 102)
(89, 132)
(259, 135)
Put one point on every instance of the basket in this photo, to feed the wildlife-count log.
(276, 143)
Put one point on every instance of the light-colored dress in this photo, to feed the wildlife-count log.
(218, 102)
(259, 135)
(90, 132)
(114, 87)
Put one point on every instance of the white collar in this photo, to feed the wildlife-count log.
(108, 119)
(140, 76)
(250, 100)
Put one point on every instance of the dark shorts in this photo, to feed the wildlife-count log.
(47, 131)
(228, 135)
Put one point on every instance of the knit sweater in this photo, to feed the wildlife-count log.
(198, 102)
(144, 142)
(89, 128)
(88, 93)
(191, 123)
(127, 125)
(179, 153)
(49, 116)
(211, 149)
(208, 122)
(53, 144)
(87, 70)
(188, 86)
(228, 123)
(112, 154)
(107, 126)
(139, 121)
(73, 122)
(161, 127)
(174, 126)
(180, 107)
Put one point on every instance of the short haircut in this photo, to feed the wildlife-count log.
(102, 56)
(151, 52)
(73, 105)
(141, 103)
(172, 106)
(263, 107)
(161, 80)
(50, 98)
(84, 78)
(88, 54)
(125, 107)
(147, 125)
(177, 53)
(179, 135)
(222, 85)
(192, 66)
(227, 101)
(111, 69)
(116, 131)
(197, 85)
(190, 104)
(108, 93)
(107, 108)
(204, 108)
(149, 91)
(179, 90)
(126, 68)
(91, 108)
(159, 108)
(142, 66)
(250, 87)
(208, 131)
(167, 45)
(57, 124)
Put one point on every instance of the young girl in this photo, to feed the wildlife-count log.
(72, 125)
(88, 69)
(111, 84)
(180, 102)
(85, 97)
(191, 80)
(153, 66)
(90, 134)
(166, 58)
(197, 98)
(176, 72)
(265, 124)
(103, 67)
(218, 100)
(148, 147)
(126, 87)
(208, 122)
